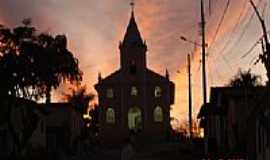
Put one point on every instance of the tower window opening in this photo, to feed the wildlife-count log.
(157, 91)
(132, 68)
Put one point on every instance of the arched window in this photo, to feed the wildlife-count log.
(157, 91)
(158, 114)
(109, 93)
(135, 119)
(134, 91)
(110, 116)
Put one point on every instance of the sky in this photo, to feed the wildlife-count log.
(95, 27)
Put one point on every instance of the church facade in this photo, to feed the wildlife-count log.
(134, 99)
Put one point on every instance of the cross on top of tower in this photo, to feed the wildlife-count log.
(132, 4)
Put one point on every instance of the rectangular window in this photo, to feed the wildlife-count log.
(109, 93)
(134, 91)
(110, 116)
(157, 91)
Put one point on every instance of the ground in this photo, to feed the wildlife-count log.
(162, 151)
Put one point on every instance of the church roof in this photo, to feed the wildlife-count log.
(132, 35)
(115, 78)
(153, 75)
(112, 78)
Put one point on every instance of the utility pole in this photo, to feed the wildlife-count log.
(203, 45)
(265, 57)
(189, 96)
(204, 85)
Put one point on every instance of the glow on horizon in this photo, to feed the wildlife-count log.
(94, 29)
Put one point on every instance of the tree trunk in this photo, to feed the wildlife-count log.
(48, 94)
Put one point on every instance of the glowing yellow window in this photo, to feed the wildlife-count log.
(134, 91)
(135, 118)
(158, 114)
(157, 91)
(110, 93)
(110, 116)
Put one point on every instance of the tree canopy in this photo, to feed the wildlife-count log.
(245, 79)
(80, 98)
(32, 64)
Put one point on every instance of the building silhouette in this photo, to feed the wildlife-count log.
(134, 101)
(234, 122)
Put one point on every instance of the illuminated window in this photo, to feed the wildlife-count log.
(158, 114)
(135, 119)
(110, 116)
(134, 91)
(157, 91)
(110, 93)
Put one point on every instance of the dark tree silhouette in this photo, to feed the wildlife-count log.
(80, 98)
(32, 64)
(183, 129)
(94, 114)
(245, 79)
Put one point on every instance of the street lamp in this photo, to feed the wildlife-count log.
(192, 42)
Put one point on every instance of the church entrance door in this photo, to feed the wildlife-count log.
(135, 119)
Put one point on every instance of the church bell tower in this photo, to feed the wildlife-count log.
(132, 49)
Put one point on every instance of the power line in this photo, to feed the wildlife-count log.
(253, 62)
(236, 25)
(221, 21)
(242, 34)
(252, 48)
(233, 30)
(214, 69)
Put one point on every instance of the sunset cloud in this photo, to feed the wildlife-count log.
(94, 29)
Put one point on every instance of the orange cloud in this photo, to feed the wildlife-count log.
(94, 29)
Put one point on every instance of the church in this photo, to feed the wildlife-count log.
(134, 99)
